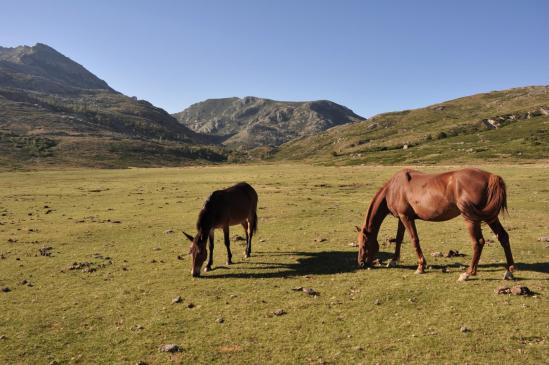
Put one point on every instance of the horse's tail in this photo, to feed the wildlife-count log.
(253, 223)
(255, 200)
(496, 202)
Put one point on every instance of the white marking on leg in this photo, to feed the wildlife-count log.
(508, 275)
(392, 263)
(463, 277)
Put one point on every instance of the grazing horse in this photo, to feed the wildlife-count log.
(223, 208)
(477, 195)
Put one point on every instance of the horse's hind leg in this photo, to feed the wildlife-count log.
(249, 235)
(211, 249)
(398, 242)
(503, 238)
(246, 227)
(475, 232)
(228, 245)
(410, 226)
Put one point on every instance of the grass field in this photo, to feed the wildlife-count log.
(119, 310)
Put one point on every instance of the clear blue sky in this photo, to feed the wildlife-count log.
(370, 56)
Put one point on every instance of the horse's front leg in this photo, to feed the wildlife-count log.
(228, 245)
(398, 242)
(475, 232)
(211, 249)
(410, 226)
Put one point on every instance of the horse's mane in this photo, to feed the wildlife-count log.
(377, 200)
(204, 221)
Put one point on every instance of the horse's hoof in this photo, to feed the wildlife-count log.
(246, 256)
(207, 268)
(508, 276)
(229, 262)
(419, 272)
(463, 277)
(392, 264)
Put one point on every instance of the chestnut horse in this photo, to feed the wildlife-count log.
(477, 195)
(223, 208)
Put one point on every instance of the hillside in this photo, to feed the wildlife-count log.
(508, 125)
(253, 122)
(54, 111)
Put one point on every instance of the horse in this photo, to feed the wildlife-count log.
(223, 208)
(477, 195)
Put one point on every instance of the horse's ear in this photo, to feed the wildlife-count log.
(189, 237)
(357, 229)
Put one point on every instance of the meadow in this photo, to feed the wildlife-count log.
(94, 258)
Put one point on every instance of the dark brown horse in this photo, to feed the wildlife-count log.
(477, 195)
(223, 208)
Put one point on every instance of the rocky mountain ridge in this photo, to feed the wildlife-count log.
(253, 122)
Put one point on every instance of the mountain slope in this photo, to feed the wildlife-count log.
(501, 125)
(45, 96)
(253, 122)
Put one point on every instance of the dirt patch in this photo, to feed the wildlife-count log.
(230, 348)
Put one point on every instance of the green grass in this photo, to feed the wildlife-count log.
(77, 317)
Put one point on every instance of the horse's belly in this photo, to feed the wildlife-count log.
(436, 212)
(230, 222)
(235, 221)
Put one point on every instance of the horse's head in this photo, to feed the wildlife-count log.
(368, 247)
(197, 251)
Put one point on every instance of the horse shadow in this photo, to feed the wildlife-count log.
(307, 263)
(329, 263)
(541, 267)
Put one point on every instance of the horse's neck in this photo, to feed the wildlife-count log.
(377, 212)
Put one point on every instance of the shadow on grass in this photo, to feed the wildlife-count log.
(333, 262)
(307, 263)
(541, 267)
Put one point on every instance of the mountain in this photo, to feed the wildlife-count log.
(41, 68)
(506, 125)
(54, 111)
(253, 122)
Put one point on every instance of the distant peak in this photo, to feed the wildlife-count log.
(44, 47)
(250, 99)
(49, 69)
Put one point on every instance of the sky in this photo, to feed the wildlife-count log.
(371, 56)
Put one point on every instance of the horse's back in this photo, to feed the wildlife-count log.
(242, 190)
(463, 176)
(470, 184)
(232, 205)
